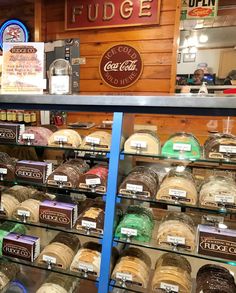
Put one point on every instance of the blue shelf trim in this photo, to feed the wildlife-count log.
(110, 203)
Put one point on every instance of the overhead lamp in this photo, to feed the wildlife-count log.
(193, 49)
(203, 38)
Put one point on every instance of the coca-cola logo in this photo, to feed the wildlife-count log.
(121, 66)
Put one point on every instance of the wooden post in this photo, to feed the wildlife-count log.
(38, 21)
(175, 47)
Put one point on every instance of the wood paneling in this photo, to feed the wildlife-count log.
(155, 44)
(23, 12)
(169, 124)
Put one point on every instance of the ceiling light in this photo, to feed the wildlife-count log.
(193, 49)
(203, 38)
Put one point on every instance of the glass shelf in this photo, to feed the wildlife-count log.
(81, 151)
(118, 288)
(55, 270)
(221, 210)
(55, 189)
(191, 162)
(153, 245)
(86, 233)
(198, 218)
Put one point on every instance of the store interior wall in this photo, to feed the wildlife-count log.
(211, 56)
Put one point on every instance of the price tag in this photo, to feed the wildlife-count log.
(126, 277)
(138, 144)
(60, 178)
(133, 187)
(28, 136)
(93, 181)
(224, 198)
(169, 287)
(89, 224)
(182, 147)
(174, 239)
(50, 259)
(130, 232)
(23, 213)
(227, 149)
(3, 171)
(213, 219)
(61, 138)
(92, 140)
(177, 192)
(85, 266)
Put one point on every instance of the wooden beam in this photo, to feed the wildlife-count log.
(175, 46)
(38, 25)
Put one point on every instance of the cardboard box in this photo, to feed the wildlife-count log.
(10, 132)
(21, 246)
(220, 243)
(58, 213)
(32, 171)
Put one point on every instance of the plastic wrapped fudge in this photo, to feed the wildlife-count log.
(95, 179)
(7, 167)
(91, 216)
(177, 229)
(88, 259)
(35, 136)
(133, 266)
(65, 138)
(137, 222)
(178, 186)
(220, 146)
(214, 278)
(8, 272)
(59, 283)
(183, 146)
(68, 174)
(61, 250)
(29, 209)
(97, 140)
(174, 272)
(218, 191)
(143, 141)
(141, 181)
(12, 197)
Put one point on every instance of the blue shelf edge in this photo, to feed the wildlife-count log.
(110, 203)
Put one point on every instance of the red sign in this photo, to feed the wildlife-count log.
(200, 12)
(121, 66)
(90, 14)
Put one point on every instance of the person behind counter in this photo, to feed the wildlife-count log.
(231, 76)
(197, 79)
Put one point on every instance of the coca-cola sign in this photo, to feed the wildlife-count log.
(121, 66)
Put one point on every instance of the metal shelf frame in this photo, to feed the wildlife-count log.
(209, 105)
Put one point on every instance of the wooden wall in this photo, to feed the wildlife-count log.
(23, 11)
(155, 43)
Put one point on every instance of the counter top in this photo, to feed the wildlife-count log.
(138, 103)
(216, 87)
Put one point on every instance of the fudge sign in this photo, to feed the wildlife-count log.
(121, 66)
(94, 14)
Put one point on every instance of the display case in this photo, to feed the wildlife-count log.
(168, 207)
